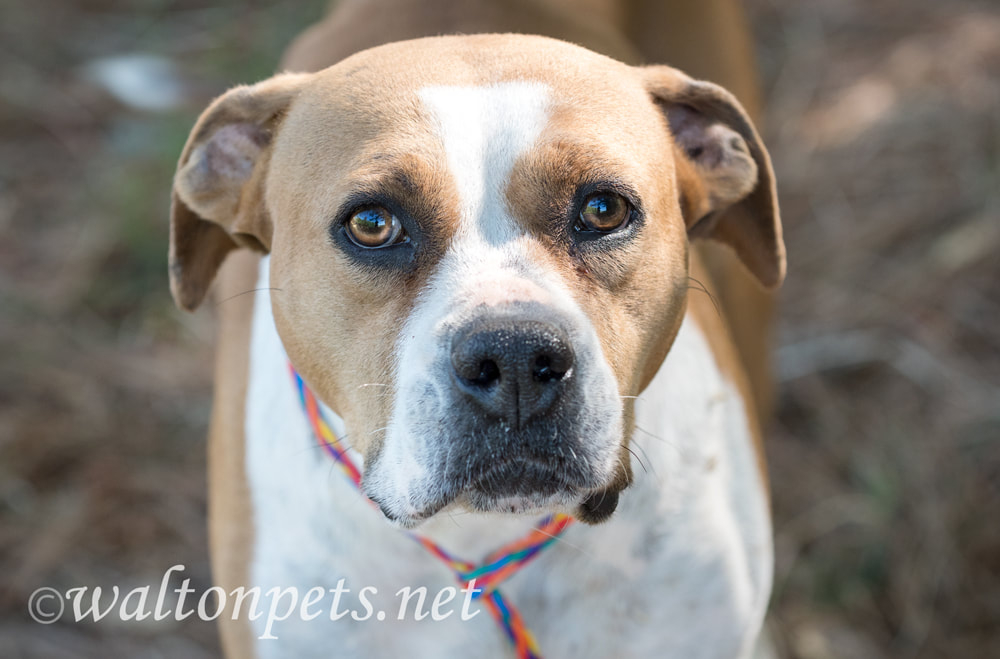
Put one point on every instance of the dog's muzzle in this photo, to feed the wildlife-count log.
(517, 412)
(502, 408)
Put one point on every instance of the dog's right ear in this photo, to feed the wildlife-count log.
(218, 196)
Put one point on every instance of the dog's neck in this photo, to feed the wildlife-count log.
(694, 521)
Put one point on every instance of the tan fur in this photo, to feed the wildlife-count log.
(317, 307)
(231, 528)
(356, 25)
(711, 40)
(750, 225)
(216, 209)
(713, 324)
(708, 39)
(359, 145)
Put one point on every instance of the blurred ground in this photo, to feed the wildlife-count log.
(884, 125)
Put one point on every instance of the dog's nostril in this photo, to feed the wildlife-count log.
(511, 368)
(489, 373)
(544, 370)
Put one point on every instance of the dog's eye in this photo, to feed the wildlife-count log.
(373, 227)
(604, 212)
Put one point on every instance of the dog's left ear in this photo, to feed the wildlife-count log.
(218, 198)
(724, 174)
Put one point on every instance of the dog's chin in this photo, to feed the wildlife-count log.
(521, 488)
(525, 503)
(528, 488)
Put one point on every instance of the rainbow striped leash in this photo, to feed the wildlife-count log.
(498, 566)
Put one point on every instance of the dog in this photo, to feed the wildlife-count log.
(481, 268)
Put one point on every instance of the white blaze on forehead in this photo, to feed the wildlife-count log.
(484, 130)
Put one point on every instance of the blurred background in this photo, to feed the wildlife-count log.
(883, 120)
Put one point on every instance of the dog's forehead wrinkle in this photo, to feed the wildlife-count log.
(483, 131)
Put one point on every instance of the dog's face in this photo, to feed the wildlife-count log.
(479, 250)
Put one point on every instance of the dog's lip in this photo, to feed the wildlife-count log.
(546, 478)
(400, 514)
(411, 519)
(485, 490)
(521, 484)
(524, 505)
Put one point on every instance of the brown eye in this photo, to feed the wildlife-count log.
(604, 211)
(374, 227)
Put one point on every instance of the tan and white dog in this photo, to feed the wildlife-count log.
(479, 256)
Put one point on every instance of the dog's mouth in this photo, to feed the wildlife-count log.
(521, 486)
(529, 487)
(563, 462)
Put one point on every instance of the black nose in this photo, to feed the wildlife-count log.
(513, 368)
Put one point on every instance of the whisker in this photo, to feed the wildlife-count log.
(559, 538)
(317, 445)
(624, 467)
(658, 438)
(451, 516)
(378, 395)
(701, 287)
(252, 290)
(640, 447)
(638, 459)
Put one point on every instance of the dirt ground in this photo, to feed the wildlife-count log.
(883, 120)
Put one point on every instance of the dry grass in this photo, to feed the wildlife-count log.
(885, 457)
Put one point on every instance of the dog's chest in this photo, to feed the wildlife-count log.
(681, 570)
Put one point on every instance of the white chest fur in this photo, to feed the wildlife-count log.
(683, 568)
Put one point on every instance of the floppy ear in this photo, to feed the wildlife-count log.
(218, 197)
(724, 174)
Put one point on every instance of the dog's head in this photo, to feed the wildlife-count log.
(479, 247)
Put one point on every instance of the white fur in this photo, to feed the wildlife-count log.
(484, 131)
(312, 527)
(682, 569)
